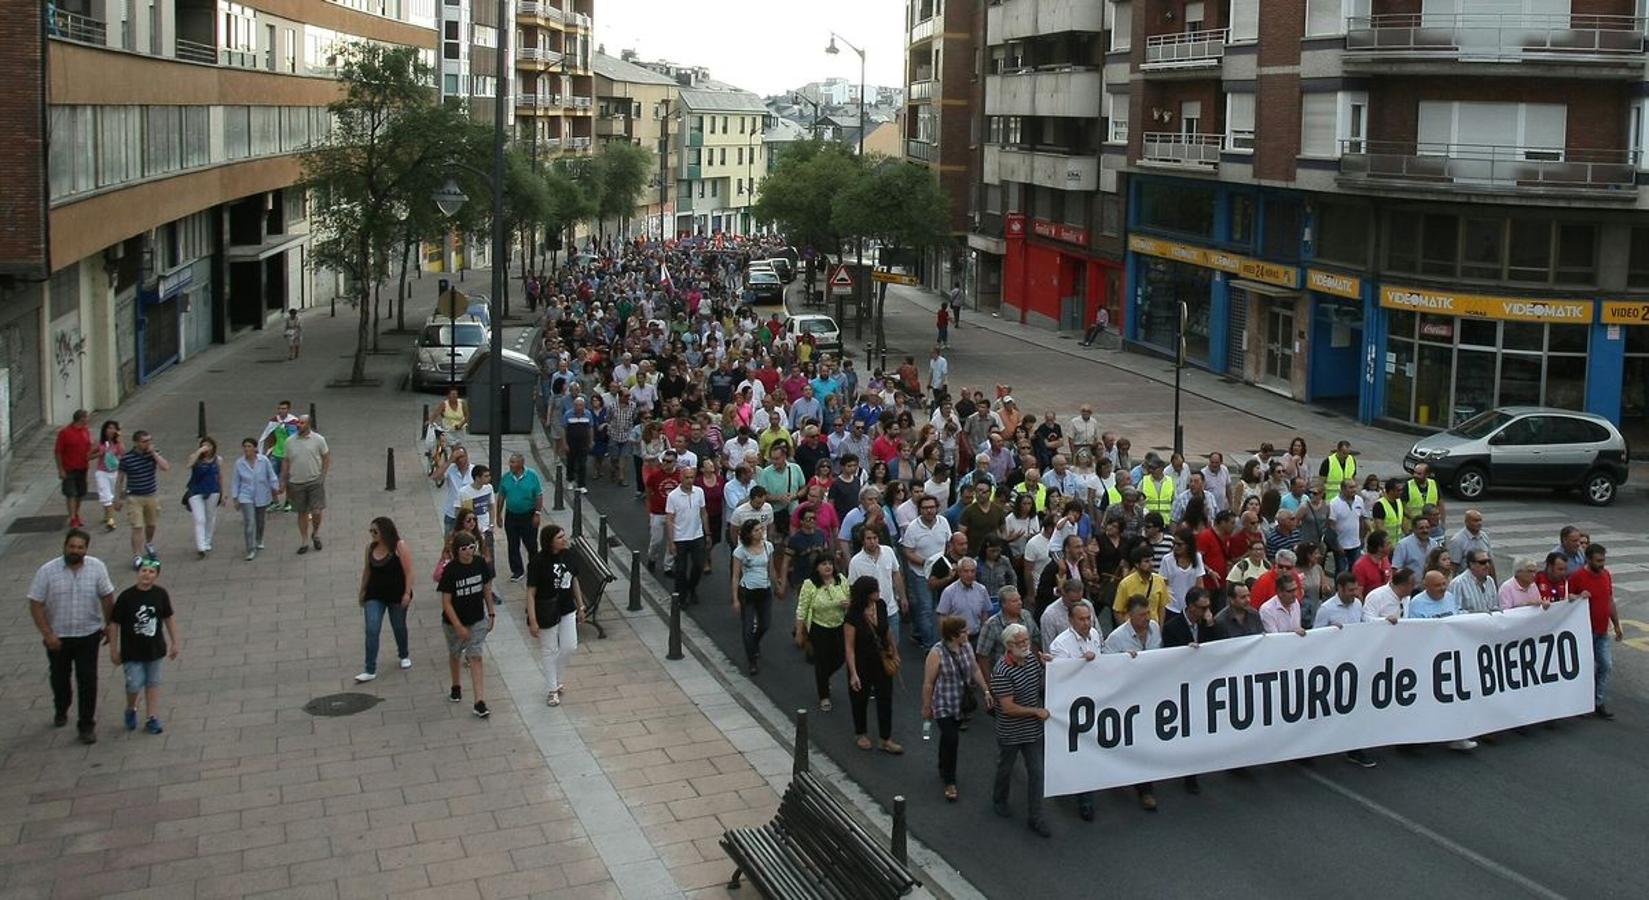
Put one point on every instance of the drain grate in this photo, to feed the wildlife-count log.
(35, 525)
(346, 704)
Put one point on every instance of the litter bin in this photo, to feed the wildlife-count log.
(520, 373)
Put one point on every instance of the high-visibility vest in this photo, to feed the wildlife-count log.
(1040, 497)
(1112, 496)
(1337, 474)
(1159, 498)
(1393, 512)
(1416, 500)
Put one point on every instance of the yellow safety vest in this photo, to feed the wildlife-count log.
(1041, 495)
(1416, 500)
(1112, 496)
(1337, 474)
(1393, 512)
(1159, 498)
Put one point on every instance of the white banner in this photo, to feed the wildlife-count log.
(1120, 720)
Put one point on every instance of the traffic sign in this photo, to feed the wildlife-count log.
(841, 282)
(893, 277)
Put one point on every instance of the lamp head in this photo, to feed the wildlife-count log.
(450, 198)
(832, 48)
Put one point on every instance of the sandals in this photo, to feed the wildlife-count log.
(950, 793)
(863, 743)
(554, 699)
(891, 748)
(824, 705)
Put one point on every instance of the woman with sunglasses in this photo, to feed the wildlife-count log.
(386, 586)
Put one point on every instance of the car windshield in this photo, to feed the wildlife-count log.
(1481, 425)
(441, 336)
(818, 326)
(759, 277)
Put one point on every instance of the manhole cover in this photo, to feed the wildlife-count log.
(35, 525)
(347, 704)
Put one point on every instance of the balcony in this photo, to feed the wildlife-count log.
(1012, 20)
(196, 52)
(1063, 91)
(1182, 151)
(529, 9)
(1487, 168)
(921, 90)
(578, 143)
(1188, 50)
(580, 20)
(924, 30)
(584, 103)
(921, 150)
(75, 27)
(1050, 167)
(1417, 43)
(538, 101)
(540, 56)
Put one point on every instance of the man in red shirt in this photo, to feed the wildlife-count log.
(1236, 546)
(1373, 568)
(1553, 581)
(658, 485)
(73, 452)
(1265, 586)
(1594, 584)
(1211, 543)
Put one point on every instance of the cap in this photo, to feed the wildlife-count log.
(1008, 399)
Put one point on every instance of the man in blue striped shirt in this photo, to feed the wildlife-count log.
(139, 482)
(1017, 686)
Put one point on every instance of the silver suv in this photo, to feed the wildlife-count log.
(1527, 446)
(444, 349)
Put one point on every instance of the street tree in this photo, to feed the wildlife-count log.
(897, 204)
(798, 196)
(573, 199)
(622, 171)
(389, 133)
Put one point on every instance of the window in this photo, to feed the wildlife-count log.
(1122, 24)
(1110, 214)
(1282, 228)
(1328, 17)
(290, 60)
(741, 186)
(712, 124)
(715, 187)
(485, 35)
(1239, 122)
(1317, 134)
(1190, 117)
(1245, 21)
(1637, 266)
(1243, 212)
(1194, 16)
(119, 144)
(722, 159)
(1116, 110)
(450, 44)
(724, 125)
(1483, 248)
(1177, 207)
(163, 140)
(1341, 232)
(1011, 131)
(741, 124)
(1470, 128)
(1442, 245)
(449, 84)
(1576, 254)
(740, 157)
(1530, 250)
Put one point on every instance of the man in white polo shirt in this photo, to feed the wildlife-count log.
(687, 521)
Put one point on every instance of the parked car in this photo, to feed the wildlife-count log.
(827, 336)
(1527, 446)
(444, 349)
(785, 268)
(764, 285)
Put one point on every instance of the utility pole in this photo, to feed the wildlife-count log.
(664, 178)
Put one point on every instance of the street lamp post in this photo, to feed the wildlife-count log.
(859, 243)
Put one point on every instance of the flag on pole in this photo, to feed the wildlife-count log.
(665, 279)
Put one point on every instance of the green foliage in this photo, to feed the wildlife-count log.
(622, 171)
(896, 203)
(799, 194)
(573, 194)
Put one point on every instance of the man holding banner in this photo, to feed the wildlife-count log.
(1138, 633)
(1017, 685)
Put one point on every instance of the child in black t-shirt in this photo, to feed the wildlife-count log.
(136, 642)
(467, 615)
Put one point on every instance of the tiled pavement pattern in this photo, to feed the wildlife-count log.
(622, 791)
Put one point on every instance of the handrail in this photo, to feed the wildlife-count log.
(195, 51)
(1186, 48)
(1176, 148)
(1510, 34)
(1525, 168)
(73, 26)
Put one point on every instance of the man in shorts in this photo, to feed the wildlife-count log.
(303, 481)
(467, 615)
(138, 486)
(73, 453)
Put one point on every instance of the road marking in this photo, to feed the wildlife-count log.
(1466, 853)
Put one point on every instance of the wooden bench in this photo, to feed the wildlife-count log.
(813, 849)
(593, 578)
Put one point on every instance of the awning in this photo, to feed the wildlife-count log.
(1260, 287)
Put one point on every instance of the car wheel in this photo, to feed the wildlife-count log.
(1599, 488)
(1470, 483)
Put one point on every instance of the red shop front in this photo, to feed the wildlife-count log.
(1051, 280)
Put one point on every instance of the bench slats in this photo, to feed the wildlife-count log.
(813, 850)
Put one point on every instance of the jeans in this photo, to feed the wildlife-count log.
(829, 655)
(755, 613)
(77, 656)
(689, 567)
(1603, 656)
(204, 509)
(518, 532)
(373, 611)
(251, 523)
(576, 467)
(950, 737)
(872, 679)
(557, 643)
(1032, 754)
(1349, 557)
(921, 606)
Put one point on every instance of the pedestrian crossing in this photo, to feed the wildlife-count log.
(1523, 528)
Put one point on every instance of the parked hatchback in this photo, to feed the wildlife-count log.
(1527, 446)
(438, 360)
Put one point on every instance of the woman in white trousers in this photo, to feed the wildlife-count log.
(205, 493)
(555, 607)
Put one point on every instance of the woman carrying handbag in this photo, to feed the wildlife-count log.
(872, 661)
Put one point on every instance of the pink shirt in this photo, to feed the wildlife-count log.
(1276, 618)
(1513, 595)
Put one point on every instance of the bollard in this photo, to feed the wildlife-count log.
(560, 489)
(801, 743)
(635, 582)
(899, 827)
(675, 627)
(201, 432)
(389, 471)
(423, 424)
(601, 537)
(578, 518)
(869, 350)
(314, 422)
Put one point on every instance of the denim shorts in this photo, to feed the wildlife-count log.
(470, 649)
(140, 675)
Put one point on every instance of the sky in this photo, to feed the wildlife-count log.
(765, 46)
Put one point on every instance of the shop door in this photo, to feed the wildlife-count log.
(1279, 345)
(1237, 353)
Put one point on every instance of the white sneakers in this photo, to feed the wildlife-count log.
(364, 677)
(406, 663)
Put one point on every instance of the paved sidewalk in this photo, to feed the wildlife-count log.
(621, 791)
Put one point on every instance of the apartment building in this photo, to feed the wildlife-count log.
(722, 158)
(149, 207)
(943, 91)
(555, 99)
(1046, 241)
(637, 105)
(1414, 209)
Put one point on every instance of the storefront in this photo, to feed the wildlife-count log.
(1051, 279)
(1449, 356)
(1336, 336)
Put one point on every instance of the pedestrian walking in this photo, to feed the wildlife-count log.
(872, 661)
(555, 607)
(950, 670)
(139, 486)
(252, 488)
(821, 609)
(386, 587)
(467, 615)
(303, 481)
(107, 453)
(73, 454)
(686, 521)
(70, 600)
(1017, 686)
(942, 321)
(452, 478)
(523, 503)
(205, 493)
(281, 426)
(580, 438)
(293, 332)
(955, 302)
(752, 589)
(1594, 583)
(137, 646)
(477, 499)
